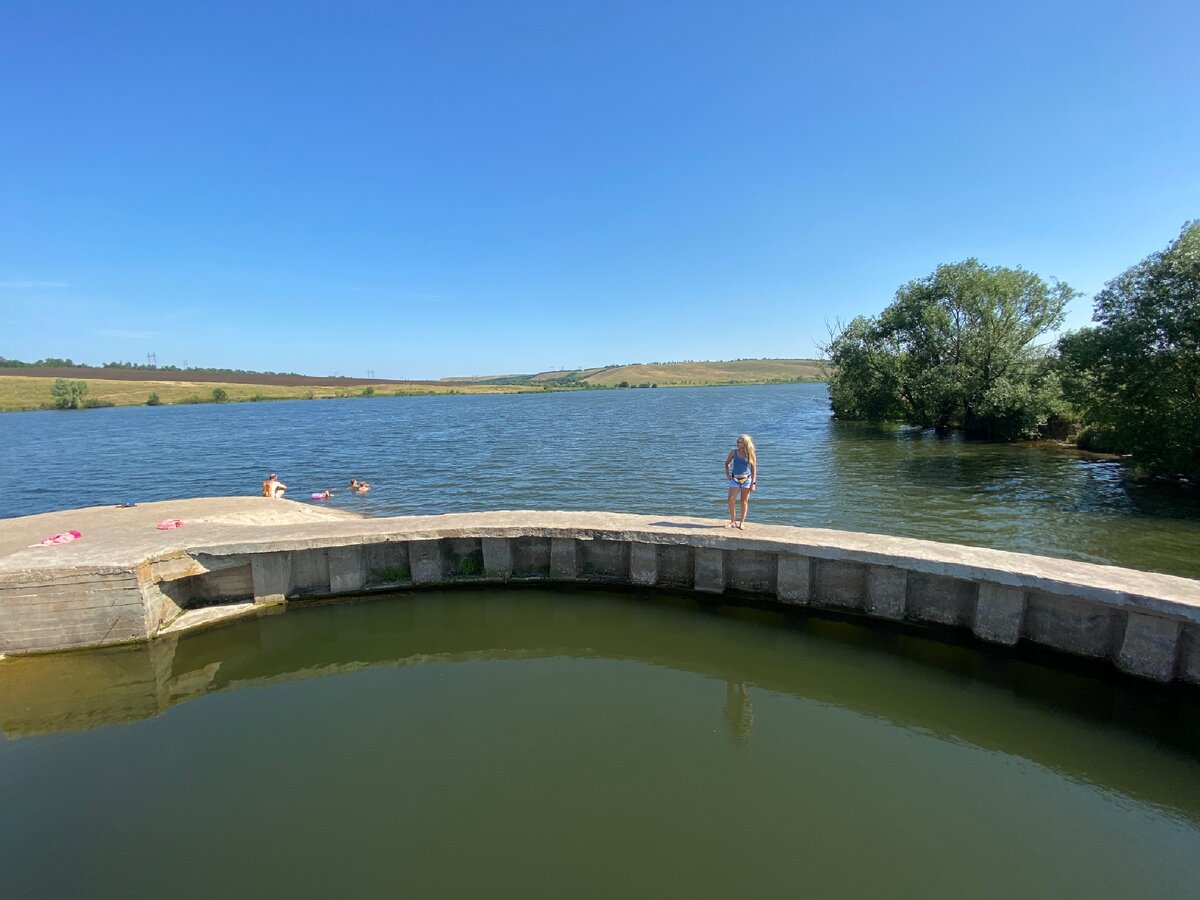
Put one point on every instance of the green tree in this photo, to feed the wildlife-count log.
(220, 395)
(68, 394)
(955, 349)
(1136, 375)
(154, 400)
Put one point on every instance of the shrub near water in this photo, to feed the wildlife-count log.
(68, 394)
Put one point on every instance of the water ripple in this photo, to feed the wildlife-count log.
(659, 452)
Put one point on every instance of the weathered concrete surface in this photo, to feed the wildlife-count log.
(125, 581)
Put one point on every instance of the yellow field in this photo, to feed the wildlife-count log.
(742, 371)
(20, 392)
(675, 374)
(24, 392)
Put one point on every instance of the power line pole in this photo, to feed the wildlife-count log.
(152, 360)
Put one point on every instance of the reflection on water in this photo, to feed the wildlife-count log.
(550, 743)
(658, 452)
(545, 742)
(739, 712)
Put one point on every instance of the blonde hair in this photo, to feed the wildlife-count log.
(750, 454)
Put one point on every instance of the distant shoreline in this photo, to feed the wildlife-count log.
(28, 389)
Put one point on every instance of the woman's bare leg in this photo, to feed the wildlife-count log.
(745, 492)
(732, 509)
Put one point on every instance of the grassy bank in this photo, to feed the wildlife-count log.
(741, 371)
(673, 374)
(134, 388)
(19, 392)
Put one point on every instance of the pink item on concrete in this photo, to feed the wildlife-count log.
(168, 524)
(63, 538)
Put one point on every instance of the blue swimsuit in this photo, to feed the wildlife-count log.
(740, 467)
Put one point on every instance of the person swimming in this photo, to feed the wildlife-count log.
(359, 487)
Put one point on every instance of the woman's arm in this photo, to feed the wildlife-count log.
(753, 473)
(728, 460)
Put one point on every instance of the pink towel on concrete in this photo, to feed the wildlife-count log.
(168, 524)
(63, 538)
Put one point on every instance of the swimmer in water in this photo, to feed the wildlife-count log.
(273, 487)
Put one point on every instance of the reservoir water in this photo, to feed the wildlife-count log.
(644, 451)
(541, 743)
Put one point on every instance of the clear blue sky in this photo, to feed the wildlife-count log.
(450, 188)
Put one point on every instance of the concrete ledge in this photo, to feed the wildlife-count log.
(643, 564)
(999, 612)
(1150, 647)
(125, 581)
(793, 582)
(497, 558)
(710, 570)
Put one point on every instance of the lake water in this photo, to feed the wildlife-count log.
(543, 743)
(658, 452)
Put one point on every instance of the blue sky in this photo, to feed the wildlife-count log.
(450, 188)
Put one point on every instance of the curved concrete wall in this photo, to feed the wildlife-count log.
(1146, 624)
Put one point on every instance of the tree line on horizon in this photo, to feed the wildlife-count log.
(55, 363)
(958, 350)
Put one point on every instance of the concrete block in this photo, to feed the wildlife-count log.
(310, 571)
(940, 598)
(1072, 624)
(604, 560)
(1189, 653)
(347, 569)
(172, 569)
(387, 562)
(751, 571)
(462, 558)
(793, 579)
(643, 564)
(497, 558)
(531, 556)
(271, 575)
(73, 609)
(1150, 647)
(223, 584)
(676, 565)
(885, 592)
(563, 562)
(166, 600)
(839, 583)
(999, 613)
(710, 570)
(210, 564)
(425, 560)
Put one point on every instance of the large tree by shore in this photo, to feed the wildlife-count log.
(1136, 376)
(956, 349)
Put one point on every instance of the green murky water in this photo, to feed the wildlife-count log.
(550, 744)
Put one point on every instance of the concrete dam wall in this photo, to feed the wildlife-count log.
(124, 580)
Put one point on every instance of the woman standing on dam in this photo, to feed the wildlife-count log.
(741, 476)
